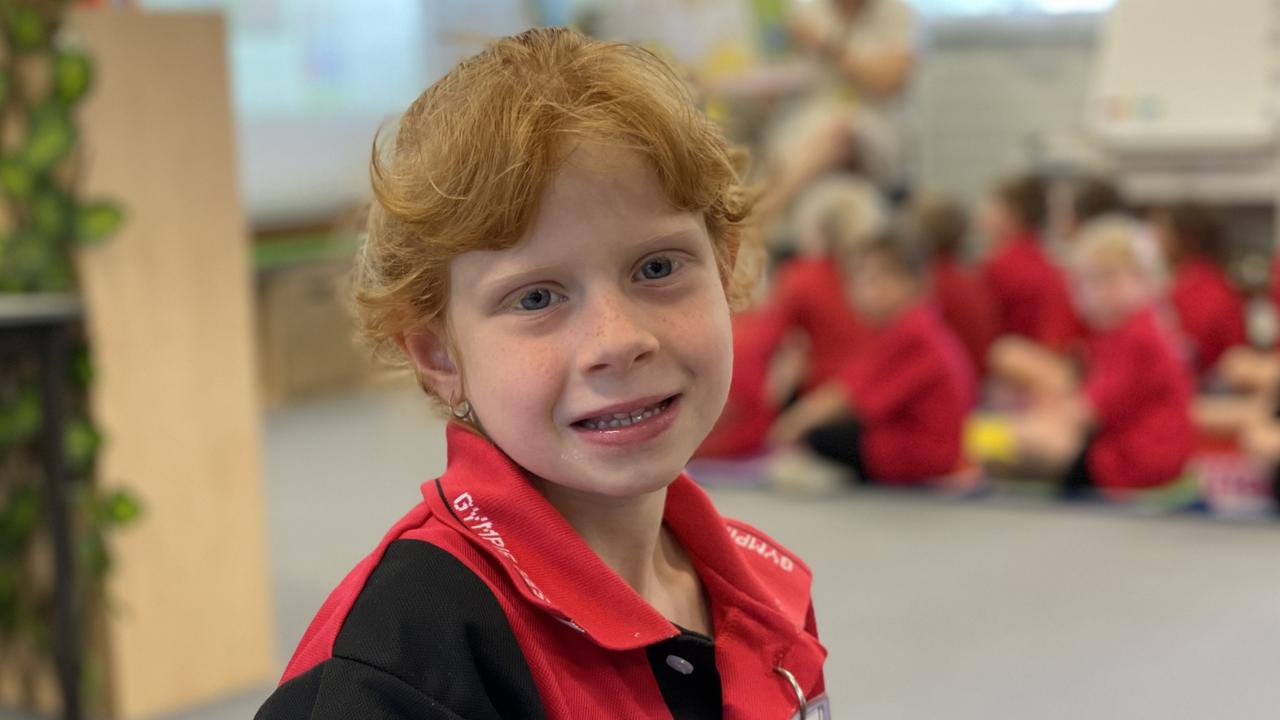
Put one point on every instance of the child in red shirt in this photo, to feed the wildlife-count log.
(554, 244)
(1129, 426)
(806, 311)
(809, 289)
(1029, 292)
(1210, 310)
(895, 413)
(962, 298)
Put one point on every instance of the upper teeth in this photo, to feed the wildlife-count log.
(624, 419)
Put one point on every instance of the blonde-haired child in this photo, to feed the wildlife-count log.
(552, 249)
(805, 329)
(1127, 427)
(834, 216)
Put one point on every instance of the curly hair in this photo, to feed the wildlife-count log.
(474, 153)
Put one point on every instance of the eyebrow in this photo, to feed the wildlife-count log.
(500, 283)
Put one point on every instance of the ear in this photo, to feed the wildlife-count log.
(428, 350)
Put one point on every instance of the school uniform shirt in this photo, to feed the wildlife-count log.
(911, 388)
(1210, 311)
(809, 293)
(1275, 288)
(966, 308)
(1031, 295)
(748, 411)
(1141, 394)
(483, 603)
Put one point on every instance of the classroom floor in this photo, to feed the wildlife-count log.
(930, 609)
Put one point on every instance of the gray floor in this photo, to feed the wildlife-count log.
(929, 609)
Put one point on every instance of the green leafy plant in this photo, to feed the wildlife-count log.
(43, 220)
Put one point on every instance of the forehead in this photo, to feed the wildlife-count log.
(601, 198)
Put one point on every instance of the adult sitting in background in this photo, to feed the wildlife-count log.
(862, 54)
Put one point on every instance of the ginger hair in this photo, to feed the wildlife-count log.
(474, 153)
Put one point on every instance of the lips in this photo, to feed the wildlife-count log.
(629, 425)
(625, 418)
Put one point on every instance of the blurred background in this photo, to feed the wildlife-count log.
(194, 450)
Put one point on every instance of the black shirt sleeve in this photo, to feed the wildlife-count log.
(425, 639)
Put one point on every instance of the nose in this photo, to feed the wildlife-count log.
(616, 336)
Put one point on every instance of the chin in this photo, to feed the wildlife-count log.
(629, 482)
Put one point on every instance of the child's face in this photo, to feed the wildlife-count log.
(1108, 290)
(996, 221)
(1162, 228)
(611, 305)
(879, 289)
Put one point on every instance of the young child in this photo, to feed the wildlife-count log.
(895, 413)
(962, 299)
(1030, 293)
(805, 329)
(1210, 310)
(553, 249)
(1091, 199)
(839, 212)
(1129, 427)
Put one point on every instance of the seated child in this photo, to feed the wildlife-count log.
(805, 328)
(961, 298)
(896, 411)
(1091, 199)
(1129, 427)
(552, 247)
(839, 212)
(1029, 291)
(1210, 311)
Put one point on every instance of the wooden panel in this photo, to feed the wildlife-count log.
(169, 308)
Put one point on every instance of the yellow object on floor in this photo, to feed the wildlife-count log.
(989, 438)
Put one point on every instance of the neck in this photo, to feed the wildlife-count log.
(628, 535)
(624, 532)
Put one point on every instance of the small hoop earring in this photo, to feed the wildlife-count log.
(462, 410)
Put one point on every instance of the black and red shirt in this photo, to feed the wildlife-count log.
(483, 602)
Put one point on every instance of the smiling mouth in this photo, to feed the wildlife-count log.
(610, 421)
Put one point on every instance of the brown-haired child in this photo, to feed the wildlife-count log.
(962, 299)
(1093, 198)
(895, 413)
(1210, 310)
(1029, 291)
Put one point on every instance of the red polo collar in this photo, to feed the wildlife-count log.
(487, 496)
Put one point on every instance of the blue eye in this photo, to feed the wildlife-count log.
(657, 268)
(537, 299)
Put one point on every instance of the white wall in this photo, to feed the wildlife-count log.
(999, 94)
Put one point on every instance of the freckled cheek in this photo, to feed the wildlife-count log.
(700, 334)
(521, 379)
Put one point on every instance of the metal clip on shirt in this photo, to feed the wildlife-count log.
(795, 687)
